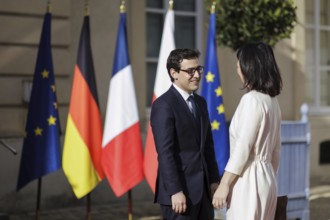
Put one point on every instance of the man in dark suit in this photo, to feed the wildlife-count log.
(187, 170)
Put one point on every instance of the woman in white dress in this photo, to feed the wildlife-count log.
(248, 187)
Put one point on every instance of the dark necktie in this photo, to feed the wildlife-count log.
(194, 109)
(195, 113)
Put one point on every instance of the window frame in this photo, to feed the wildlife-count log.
(315, 107)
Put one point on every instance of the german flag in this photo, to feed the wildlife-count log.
(83, 138)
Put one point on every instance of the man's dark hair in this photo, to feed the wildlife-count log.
(259, 68)
(176, 57)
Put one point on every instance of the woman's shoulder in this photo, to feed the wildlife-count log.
(256, 96)
(254, 100)
(259, 101)
(250, 96)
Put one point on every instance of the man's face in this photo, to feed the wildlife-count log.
(184, 80)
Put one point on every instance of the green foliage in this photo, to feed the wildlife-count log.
(241, 21)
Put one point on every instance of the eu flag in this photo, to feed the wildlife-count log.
(41, 147)
(212, 92)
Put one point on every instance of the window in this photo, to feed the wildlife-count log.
(318, 55)
(188, 31)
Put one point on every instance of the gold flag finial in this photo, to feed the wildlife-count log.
(49, 6)
(86, 8)
(213, 7)
(170, 6)
(122, 7)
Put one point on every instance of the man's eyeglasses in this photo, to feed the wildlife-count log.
(191, 71)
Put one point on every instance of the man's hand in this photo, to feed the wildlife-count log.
(179, 204)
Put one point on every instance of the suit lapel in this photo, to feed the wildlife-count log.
(188, 112)
(182, 102)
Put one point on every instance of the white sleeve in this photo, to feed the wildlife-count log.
(249, 116)
(277, 152)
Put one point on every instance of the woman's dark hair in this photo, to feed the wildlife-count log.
(176, 57)
(259, 68)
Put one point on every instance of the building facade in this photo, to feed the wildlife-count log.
(304, 61)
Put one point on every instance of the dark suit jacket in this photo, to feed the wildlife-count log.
(186, 159)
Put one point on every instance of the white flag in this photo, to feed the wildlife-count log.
(162, 84)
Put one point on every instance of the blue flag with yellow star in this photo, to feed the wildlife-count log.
(41, 147)
(212, 92)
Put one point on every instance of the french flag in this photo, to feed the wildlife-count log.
(122, 146)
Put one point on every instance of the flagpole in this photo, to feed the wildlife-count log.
(213, 7)
(49, 6)
(88, 207)
(122, 7)
(130, 205)
(41, 97)
(129, 193)
(86, 13)
(38, 199)
(215, 102)
(170, 4)
(162, 84)
(88, 203)
(48, 10)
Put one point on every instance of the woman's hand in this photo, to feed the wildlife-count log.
(220, 196)
(214, 187)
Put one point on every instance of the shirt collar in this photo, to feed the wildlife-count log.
(185, 95)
